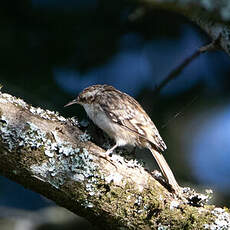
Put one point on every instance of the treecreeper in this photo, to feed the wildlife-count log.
(125, 121)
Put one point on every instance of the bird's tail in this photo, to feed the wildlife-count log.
(167, 172)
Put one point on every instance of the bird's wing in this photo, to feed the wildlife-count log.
(127, 112)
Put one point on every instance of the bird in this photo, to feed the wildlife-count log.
(125, 121)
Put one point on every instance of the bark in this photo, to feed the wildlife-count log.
(211, 16)
(50, 155)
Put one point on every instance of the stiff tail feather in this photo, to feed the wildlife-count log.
(167, 172)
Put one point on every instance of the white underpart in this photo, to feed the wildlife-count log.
(115, 131)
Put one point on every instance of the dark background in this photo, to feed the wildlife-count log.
(51, 50)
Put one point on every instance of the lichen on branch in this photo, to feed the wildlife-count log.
(50, 155)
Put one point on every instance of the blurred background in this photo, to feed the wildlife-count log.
(51, 50)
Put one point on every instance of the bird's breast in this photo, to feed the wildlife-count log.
(98, 116)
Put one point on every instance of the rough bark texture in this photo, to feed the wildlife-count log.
(50, 155)
(211, 16)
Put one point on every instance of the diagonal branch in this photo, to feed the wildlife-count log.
(52, 156)
(214, 45)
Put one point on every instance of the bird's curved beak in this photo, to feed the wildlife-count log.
(75, 101)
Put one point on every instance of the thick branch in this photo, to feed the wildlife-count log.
(46, 153)
(210, 16)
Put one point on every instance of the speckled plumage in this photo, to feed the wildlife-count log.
(125, 121)
(124, 111)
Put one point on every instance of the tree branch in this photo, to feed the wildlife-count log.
(52, 156)
(211, 16)
(214, 45)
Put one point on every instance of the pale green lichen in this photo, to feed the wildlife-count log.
(29, 135)
(6, 133)
(163, 227)
(84, 137)
(174, 204)
(78, 166)
(7, 98)
(63, 161)
(221, 222)
(46, 114)
(116, 178)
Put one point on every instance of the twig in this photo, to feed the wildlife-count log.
(214, 45)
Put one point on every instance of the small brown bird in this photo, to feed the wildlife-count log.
(125, 121)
